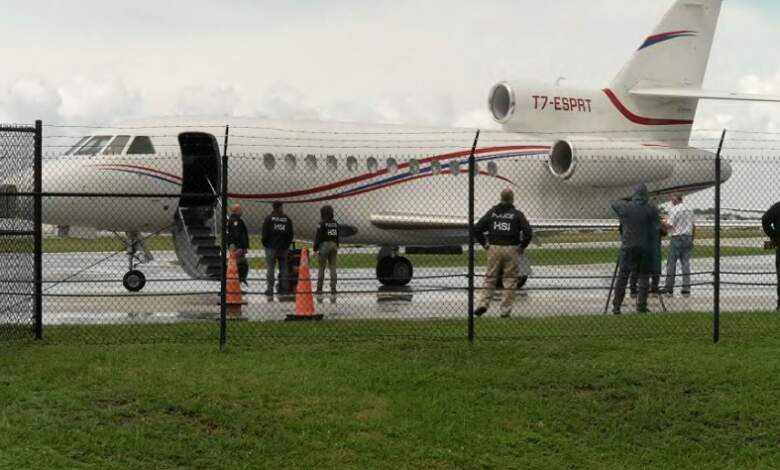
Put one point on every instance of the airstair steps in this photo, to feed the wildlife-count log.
(209, 250)
(195, 242)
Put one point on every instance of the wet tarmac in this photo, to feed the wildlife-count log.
(85, 288)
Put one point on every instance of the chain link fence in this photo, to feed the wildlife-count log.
(19, 235)
(133, 219)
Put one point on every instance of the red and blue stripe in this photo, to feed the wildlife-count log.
(663, 37)
(346, 188)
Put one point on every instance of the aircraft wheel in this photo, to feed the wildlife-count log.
(134, 281)
(394, 271)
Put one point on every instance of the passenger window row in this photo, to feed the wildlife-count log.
(311, 163)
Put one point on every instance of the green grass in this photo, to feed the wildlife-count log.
(538, 257)
(590, 402)
(165, 243)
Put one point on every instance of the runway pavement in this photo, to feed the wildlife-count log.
(85, 288)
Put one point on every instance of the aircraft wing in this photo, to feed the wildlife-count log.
(410, 221)
(701, 94)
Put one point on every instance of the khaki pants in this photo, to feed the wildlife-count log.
(501, 259)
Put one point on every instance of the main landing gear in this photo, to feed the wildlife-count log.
(134, 280)
(392, 269)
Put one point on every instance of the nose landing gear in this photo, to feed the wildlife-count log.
(134, 280)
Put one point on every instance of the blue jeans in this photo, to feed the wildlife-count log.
(680, 249)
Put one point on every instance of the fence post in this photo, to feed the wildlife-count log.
(716, 274)
(472, 177)
(223, 194)
(38, 229)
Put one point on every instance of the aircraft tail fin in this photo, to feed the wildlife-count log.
(675, 55)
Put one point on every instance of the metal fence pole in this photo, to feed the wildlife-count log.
(223, 244)
(38, 229)
(716, 274)
(472, 177)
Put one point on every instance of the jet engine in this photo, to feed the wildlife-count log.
(604, 163)
(520, 107)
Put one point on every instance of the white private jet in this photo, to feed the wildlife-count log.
(567, 153)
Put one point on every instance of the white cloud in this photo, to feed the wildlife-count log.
(220, 100)
(396, 61)
(27, 100)
(97, 101)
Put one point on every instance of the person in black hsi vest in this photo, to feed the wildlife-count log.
(508, 235)
(238, 241)
(770, 221)
(326, 245)
(277, 237)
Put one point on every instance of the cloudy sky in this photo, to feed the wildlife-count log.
(398, 61)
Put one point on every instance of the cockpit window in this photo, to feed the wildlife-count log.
(77, 146)
(94, 145)
(142, 145)
(117, 145)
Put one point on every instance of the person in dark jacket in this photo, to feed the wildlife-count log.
(508, 235)
(326, 245)
(655, 273)
(641, 223)
(277, 237)
(238, 241)
(771, 224)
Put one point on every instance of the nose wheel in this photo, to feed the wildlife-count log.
(134, 280)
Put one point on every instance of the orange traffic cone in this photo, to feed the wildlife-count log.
(304, 297)
(233, 297)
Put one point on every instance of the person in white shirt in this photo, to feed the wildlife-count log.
(681, 227)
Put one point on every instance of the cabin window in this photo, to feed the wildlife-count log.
(392, 166)
(414, 166)
(352, 164)
(142, 145)
(455, 167)
(310, 162)
(77, 146)
(492, 169)
(332, 163)
(290, 162)
(117, 145)
(372, 164)
(94, 145)
(269, 161)
(436, 167)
